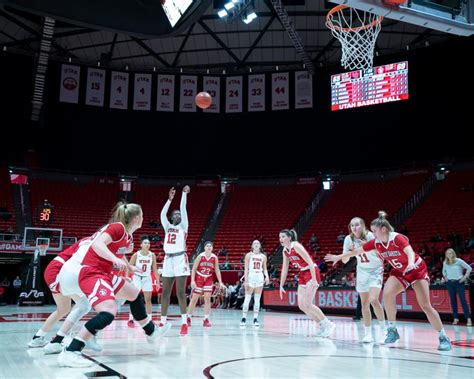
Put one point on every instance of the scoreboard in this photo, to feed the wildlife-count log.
(378, 85)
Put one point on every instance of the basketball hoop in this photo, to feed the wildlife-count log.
(357, 32)
(42, 249)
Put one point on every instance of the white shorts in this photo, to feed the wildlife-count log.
(143, 283)
(367, 279)
(175, 266)
(68, 278)
(256, 281)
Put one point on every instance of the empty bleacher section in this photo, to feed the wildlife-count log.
(445, 217)
(81, 204)
(261, 211)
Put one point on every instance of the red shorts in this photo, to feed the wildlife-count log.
(305, 276)
(50, 275)
(407, 280)
(203, 284)
(99, 286)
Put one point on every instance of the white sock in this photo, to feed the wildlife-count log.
(368, 330)
(183, 318)
(256, 305)
(206, 317)
(382, 325)
(245, 307)
(130, 317)
(61, 333)
(442, 333)
(40, 333)
(392, 324)
(163, 320)
(324, 321)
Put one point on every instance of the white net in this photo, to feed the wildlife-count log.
(357, 32)
(42, 249)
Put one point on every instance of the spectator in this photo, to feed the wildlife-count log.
(313, 242)
(225, 265)
(223, 252)
(340, 237)
(470, 240)
(16, 289)
(437, 238)
(453, 274)
(233, 293)
(5, 283)
(154, 224)
(344, 281)
(240, 298)
(323, 267)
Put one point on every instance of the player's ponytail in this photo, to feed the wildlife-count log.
(382, 221)
(124, 213)
(290, 233)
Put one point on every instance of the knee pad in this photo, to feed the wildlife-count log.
(137, 307)
(99, 322)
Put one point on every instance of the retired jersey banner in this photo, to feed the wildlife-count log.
(119, 90)
(303, 90)
(280, 95)
(187, 92)
(212, 85)
(165, 98)
(70, 77)
(256, 93)
(142, 92)
(233, 94)
(95, 87)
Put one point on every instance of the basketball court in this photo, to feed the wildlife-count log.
(212, 62)
(284, 346)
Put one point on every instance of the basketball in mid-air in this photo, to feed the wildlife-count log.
(203, 100)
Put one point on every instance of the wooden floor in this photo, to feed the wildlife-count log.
(283, 347)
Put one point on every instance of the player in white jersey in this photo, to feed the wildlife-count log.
(369, 278)
(145, 261)
(175, 262)
(255, 274)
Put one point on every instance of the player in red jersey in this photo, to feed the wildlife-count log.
(90, 271)
(309, 279)
(205, 265)
(408, 269)
(63, 304)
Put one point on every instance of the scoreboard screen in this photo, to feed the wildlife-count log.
(378, 85)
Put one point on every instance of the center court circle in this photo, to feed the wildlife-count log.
(329, 366)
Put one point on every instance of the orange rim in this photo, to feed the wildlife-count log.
(341, 7)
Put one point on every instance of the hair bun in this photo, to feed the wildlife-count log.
(383, 214)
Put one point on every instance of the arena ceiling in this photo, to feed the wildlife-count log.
(210, 43)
